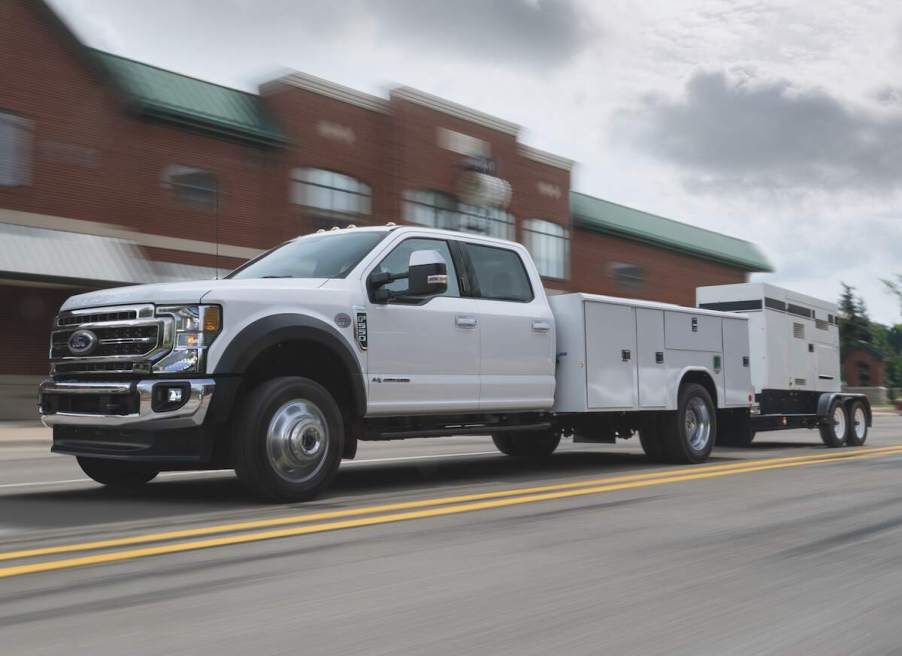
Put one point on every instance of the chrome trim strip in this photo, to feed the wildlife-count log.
(139, 309)
(191, 414)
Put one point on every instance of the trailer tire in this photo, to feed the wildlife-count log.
(835, 427)
(288, 439)
(689, 433)
(526, 444)
(857, 434)
(118, 473)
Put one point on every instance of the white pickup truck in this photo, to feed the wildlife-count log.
(392, 332)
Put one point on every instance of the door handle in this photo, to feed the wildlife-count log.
(541, 326)
(465, 322)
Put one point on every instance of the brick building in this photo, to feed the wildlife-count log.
(115, 172)
(863, 366)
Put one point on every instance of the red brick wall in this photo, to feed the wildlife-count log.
(669, 276)
(853, 363)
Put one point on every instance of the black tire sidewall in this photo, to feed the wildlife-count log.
(526, 444)
(249, 439)
(679, 447)
(827, 433)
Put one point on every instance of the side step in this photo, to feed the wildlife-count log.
(458, 429)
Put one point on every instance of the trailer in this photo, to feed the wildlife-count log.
(794, 366)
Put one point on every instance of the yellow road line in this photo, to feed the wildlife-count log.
(410, 505)
(178, 547)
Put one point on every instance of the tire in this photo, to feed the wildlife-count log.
(652, 441)
(835, 429)
(526, 444)
(118, 473)
(857, 434)
(735, 430)
(288, 439)
(689, 433)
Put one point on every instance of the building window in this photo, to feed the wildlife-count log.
(192, 186)
(864, 374)
(439, 210)
(549, 246)
(330, 191)
(15, 150)
(628, 276)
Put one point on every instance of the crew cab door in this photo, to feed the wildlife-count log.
(516, 331)
(422, 354)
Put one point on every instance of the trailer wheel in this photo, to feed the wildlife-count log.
(526, 444)
(117, 473)
(288, 439)
(858, 424)
(689, 432)
(835, 428)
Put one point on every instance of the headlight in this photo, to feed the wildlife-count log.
(194, 329)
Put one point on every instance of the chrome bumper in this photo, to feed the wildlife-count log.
(190, 414)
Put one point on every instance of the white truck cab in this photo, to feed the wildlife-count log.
(374, 334)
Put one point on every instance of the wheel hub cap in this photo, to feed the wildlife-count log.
(697, 422)
(297, 440)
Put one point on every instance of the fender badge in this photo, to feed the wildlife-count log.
(342, 320)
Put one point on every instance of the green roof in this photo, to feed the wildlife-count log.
(187, 100)
(606, 217)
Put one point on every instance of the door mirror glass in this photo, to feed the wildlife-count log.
(427, 274)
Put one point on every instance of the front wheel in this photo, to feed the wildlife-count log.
(836, 426)
(526, 444)
(690, 431)
(118, 473)
(288, 439)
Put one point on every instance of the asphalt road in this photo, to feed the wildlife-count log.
(433, 547)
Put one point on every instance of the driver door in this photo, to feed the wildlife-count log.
(423, 354)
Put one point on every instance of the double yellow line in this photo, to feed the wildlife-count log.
(237, 532)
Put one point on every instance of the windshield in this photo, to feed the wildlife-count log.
(319, 256)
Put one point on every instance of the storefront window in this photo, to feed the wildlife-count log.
(330, 191)
(439, 210)
(549, 245)
(192, 186)
(15, 150)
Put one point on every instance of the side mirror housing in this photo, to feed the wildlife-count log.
(427, 274)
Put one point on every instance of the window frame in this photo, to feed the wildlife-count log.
(173, 189)
(529, 234)
(24, 170)
(476, 292)
(460, 272)
(299, 185)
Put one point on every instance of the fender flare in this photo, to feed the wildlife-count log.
(263, 333)
(693, 369)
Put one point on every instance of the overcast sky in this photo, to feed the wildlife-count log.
(777, 122)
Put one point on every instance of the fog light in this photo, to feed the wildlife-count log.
(167, 397)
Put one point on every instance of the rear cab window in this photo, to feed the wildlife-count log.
(499, 274)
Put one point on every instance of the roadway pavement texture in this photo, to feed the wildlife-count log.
(444, 546)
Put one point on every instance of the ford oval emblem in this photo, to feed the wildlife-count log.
(82, 342)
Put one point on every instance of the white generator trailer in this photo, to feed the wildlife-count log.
(794, 365)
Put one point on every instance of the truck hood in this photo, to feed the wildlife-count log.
(182, 292)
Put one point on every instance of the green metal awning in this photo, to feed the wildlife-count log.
(605, 217)
(187, 100)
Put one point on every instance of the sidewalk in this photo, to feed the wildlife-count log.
(24, 433)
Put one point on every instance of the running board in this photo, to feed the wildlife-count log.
(459, 429)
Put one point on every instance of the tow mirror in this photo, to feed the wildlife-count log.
(427, 274)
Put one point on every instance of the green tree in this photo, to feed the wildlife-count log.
(895, 287)
(854, 323)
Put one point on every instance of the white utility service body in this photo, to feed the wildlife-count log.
(393, 332)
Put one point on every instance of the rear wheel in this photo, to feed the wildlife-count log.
(118, 473)
(652, 442)
(287, 441)
(527, 444)
(858, 424)
(735, 429)
(690, 431)
(836, 427)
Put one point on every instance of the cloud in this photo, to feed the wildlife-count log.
(535, 33)
(744, 134)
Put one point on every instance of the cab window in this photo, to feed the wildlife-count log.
(397, 262)
(500, 274)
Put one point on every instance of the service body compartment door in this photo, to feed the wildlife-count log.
(610, 356)
(692, 332)
(737, 374)
(650, 352)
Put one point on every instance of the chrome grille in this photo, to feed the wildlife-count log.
(128, 339)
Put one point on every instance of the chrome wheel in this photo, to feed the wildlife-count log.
(297, 440)
(697, 423)
(839, 422)
(859, 423)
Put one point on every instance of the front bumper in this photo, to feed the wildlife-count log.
(123, 404)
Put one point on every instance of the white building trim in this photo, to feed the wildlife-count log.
(544, 157)
(337, 91)
(453, 109)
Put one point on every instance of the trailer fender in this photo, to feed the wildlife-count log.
(826, 399)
